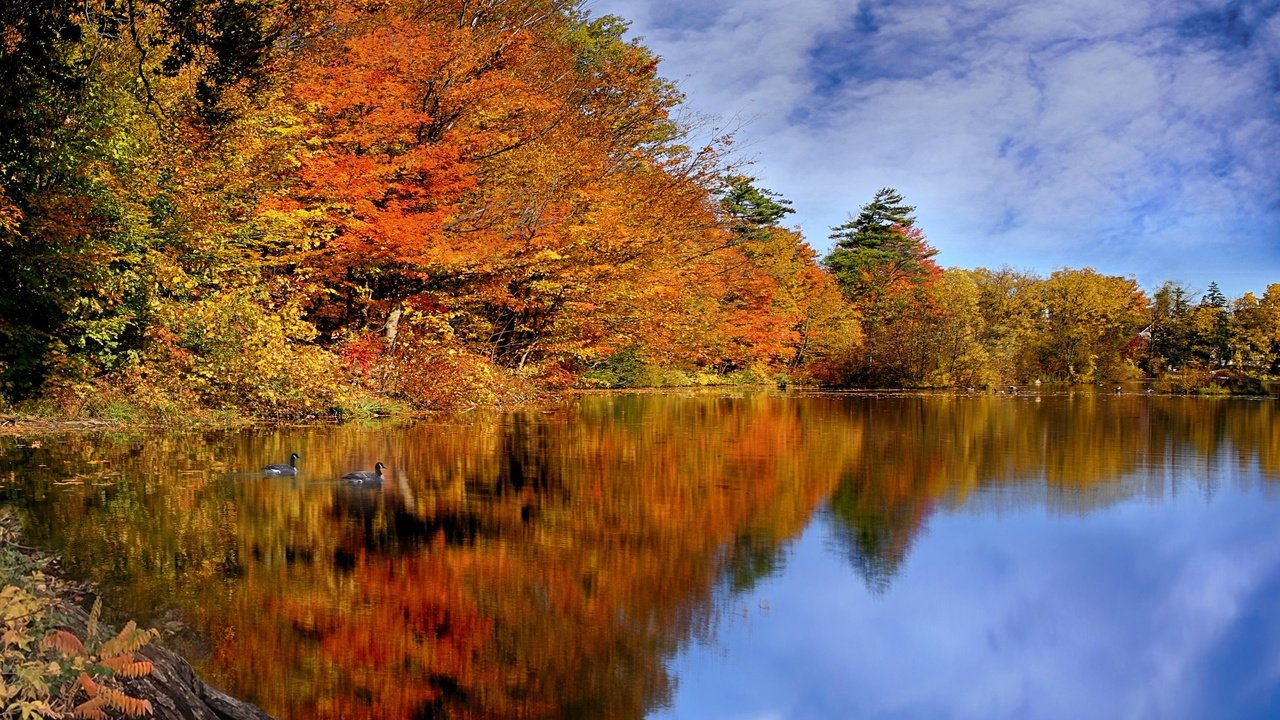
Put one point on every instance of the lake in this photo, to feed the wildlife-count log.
(740, 554)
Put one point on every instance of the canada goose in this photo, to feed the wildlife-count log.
(361, 477)
(282, 469)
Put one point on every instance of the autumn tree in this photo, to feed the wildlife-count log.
(1008, 308)
(117, 108)
(794, 303)
(511, 191)
(1210, 329)
(883, 264)
(1251, 333)
(881, 247)
(65, 312)
(1085, 321)
(1255, 331)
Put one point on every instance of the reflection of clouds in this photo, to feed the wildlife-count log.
(1141, 610)
(1203, 600)
(1133, 137)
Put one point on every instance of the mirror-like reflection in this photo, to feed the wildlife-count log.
(571, 563)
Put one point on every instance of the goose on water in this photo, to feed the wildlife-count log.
(360, 477)
(282, 469)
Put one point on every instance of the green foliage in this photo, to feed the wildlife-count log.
(623, 369)
(880, 247)
(76, 297)
(1210, 329)
(751, 210)
(628, 368)
(1169, 331)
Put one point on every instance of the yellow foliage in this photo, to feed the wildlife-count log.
(434, 371)
(128, 641)
(237, 351)
(32, 684)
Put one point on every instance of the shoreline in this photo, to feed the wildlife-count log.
(51, 607)
(18, 423)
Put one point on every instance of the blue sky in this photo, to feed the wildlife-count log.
(1138, 138)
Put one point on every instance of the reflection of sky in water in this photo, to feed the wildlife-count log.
(1166, 608)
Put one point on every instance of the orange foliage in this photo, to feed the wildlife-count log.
(513, 174)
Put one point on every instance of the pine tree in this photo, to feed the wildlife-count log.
(879, 247)
(749, 211)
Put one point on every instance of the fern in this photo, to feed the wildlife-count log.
(86, 682)
(65, 643)
(128, 641)
(126, 666)
(91, 628)
(116, 656)
(91, 709)
(102, 697)
(133, 707)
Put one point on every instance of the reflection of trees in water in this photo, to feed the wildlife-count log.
(872, 534)
(587, 552)
(548, 566)
(1063, 454)
(751, 557)
(387, 525)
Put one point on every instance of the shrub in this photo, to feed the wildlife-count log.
(235, 351)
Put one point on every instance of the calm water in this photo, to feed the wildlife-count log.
(702, 556)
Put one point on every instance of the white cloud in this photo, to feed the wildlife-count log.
(1133, 137)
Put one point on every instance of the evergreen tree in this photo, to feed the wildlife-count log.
(1213, 297)
(1169, 345)
(1213, 331)
(750, 210)
(879, 247)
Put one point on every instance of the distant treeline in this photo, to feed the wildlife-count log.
(292, 207)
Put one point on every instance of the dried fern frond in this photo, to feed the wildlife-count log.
(129, 641)
(91, 630)
(127, 666)
(86, 682)
(91, 709)
(65, 642)
(133, 707)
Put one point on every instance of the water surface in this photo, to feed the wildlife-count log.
(702, 555)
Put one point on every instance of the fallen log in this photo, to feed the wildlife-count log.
(174, 689)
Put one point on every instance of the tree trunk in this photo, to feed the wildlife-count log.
(393, 325)
(177, 693)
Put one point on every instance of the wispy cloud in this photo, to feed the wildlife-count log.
(1137, 137)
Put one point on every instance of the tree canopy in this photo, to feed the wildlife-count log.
(880, 247)
(294, 208)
